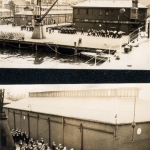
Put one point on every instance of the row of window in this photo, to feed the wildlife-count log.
(101, 12)
(3, 14)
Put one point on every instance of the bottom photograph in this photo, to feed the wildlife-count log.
(75, 117)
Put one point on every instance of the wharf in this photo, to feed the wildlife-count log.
(64, 41)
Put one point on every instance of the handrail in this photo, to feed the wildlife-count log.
(130, 39)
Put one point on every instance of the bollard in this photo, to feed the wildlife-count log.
(4, 43)
(36, 46)
(56, 49)
(75, 48)
(19, 44)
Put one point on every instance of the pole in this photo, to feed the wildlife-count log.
(95, 60)
(148, 39)
(63, 130)
(81, 130)
(109, 54)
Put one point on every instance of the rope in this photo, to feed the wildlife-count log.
(60, 53)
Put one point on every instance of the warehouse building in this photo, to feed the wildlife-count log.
(98, 119)
(124, 15)
(61, 14)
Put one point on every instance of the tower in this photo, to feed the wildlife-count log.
(134, 10)
(6, 140)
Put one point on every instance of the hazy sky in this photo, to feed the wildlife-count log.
(144, 2)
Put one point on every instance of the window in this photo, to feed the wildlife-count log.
(100, 12)
(106, 13)
(133, 11)
(78, 11)
(93, 11)
(112, 12)
(87, 11)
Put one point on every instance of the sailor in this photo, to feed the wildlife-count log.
(75, 31)
(27, 139)
(107, 33)
(54, 146)
(31, 141)
(20, 144)
(60, 147)
(82, 31)
(88, 32)
(26, 147)
(114, 34)
(49, 30)
(42, 141)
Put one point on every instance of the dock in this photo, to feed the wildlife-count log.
(58, 42)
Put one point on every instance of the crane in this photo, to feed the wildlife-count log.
(38, 32)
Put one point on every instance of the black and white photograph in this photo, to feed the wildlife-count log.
(76, 34)
(74, 74)
(75, 117)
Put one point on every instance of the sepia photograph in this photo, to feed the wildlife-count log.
(75, 117)
(76, 34)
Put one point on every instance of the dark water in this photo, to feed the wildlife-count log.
(42, 58)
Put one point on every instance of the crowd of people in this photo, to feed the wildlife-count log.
(103, 33)
(68, 30)
(23, 140)
(27, 27)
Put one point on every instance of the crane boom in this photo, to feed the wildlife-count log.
(41, 19)
(39, 32)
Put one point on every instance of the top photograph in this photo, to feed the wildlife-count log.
(75, 34)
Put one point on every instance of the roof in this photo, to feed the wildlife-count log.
(4, 10)
(108, 3)
(102, 109)
(7, 101)
(51, 12)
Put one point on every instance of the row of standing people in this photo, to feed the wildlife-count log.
(68, 30)
(22, 139)
(27, 27)
(103, 33)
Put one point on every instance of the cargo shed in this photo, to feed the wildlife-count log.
(98, 119)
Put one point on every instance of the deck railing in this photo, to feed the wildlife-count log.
(135, 34)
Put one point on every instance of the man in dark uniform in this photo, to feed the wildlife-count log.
(27, 139)
(49, 30)
(75, 31)
(82, 31)
(20, 144)
(42, 141)
(31, 141)
(54, 146)
(89, 31)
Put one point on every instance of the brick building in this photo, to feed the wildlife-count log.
(98, 119)
(53, 17)
(109, 14)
